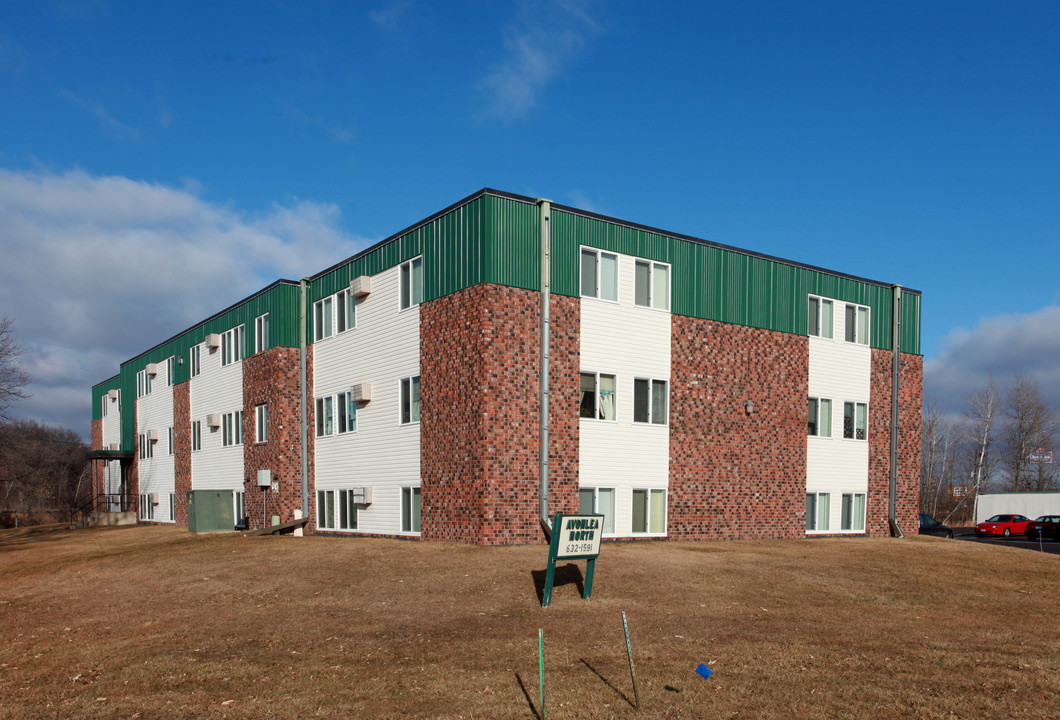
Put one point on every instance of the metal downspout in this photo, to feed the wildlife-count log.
(546, 214)
(896, 362)
(303, 390)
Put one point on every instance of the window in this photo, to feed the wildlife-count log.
(410, 509)
(855, 420)
(232, 346)
(147, 447)
(147, 508)
(325, 416)
(598, 396)
(599, 500)
(410, 400)
(172, 441)
(649, 512)
(239, 506)
(345, 311)
(261, 423)
(649, 401)
(651, 286)
(322, 312)
(818, 511)
(411, 282)
(599, 274)
(105, 402)
(172, 506)
(852, 516)
(347, 413)
(336, 510)
(820, 414)
(857, 324)
(194, 360)
(143, 383)
(169, 370)
(232, 429)
(261, 333)
(196, 435)
(819, 317)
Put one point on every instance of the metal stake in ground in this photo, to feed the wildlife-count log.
(629, 653)
(541, 668)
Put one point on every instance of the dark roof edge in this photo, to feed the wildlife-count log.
(104, 382)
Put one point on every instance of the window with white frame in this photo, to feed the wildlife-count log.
(194, 360)
(261, 423)
(411, 286)
(345, 311)
(232, 345)
(170, 366)
(172, 440)
(852, 512)
(143, 383)
(325, 411)
(819, 317)
(649, 512)
(650, 401)
(651, 284)
(172, 506)
(106, 401)
(323, 312)
(857, 324)
(410, 509)
(196, 435)
(261, 333)
(855, 420)
(336, 510)
(347, 413)
(232, 429)
(598, 396)
(599, 274)
(599, 500)
(147, 447)
(410, 400)
(147, 508)
(820, 416)
(239, 506)
(818, 511)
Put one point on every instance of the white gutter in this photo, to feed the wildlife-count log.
(546, 215)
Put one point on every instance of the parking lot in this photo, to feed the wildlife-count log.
(968, 534)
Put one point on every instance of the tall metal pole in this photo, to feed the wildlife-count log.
(546, 213)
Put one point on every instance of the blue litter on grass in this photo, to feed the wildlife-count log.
(703, 670)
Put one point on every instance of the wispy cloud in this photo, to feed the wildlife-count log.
(392, 17)
(101, 114)
(537, 47)
(97, 269)
(1028, 344)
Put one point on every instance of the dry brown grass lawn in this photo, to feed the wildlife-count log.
(150, 622)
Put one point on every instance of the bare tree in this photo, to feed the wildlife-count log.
(12, 378)
(1029, 425)
(938, 447)
(41, 473)
(981, 417)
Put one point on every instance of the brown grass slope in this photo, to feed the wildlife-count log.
(151, 622)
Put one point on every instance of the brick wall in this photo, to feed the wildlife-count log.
(479, 428)
(181, 451)
(98, 466)
(734, 474)
(910, 396)
(272, 377)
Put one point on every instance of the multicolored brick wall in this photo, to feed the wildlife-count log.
(733, 473)
(910, 396)
(272, 377)
(479, 430)
(181, 451)
(98, 466)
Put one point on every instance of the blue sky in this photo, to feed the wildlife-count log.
(217, 146)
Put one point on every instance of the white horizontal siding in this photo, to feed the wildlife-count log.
(111, 422)
(382, 454)
(216, 389)
(629, 342)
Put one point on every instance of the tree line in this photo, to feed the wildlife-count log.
(990, 447)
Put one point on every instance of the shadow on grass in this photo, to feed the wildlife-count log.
(34, 534)
(569, 574)
(607, 682)
(526, 694)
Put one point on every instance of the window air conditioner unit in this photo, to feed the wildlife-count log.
(361, 392)
(362, 495)
(153, 497)
(152, 368)
(213, 341)
(213, 420)
(112, 394)
(114, 447)
(361, 286)
(264, 478)
(152, 435)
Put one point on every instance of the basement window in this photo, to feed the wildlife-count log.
(818, 512)
(649, 512)
(336, 510)
(599, 500)
(852, 517)
(410, 509)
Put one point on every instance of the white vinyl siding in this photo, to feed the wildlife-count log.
(157, 470)
(218, 390)
(630, 342)
(383, 454)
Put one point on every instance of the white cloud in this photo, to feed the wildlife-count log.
(101, 114)
(537, 48)
(97, 269)
(1028, 344)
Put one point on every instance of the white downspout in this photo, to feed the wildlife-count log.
(303, 390)
(546, 213)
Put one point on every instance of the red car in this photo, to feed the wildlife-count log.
(1003, 525)
(1047, 526)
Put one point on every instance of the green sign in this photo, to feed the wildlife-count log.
(574, 537)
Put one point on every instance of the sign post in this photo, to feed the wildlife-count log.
(574, 537)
